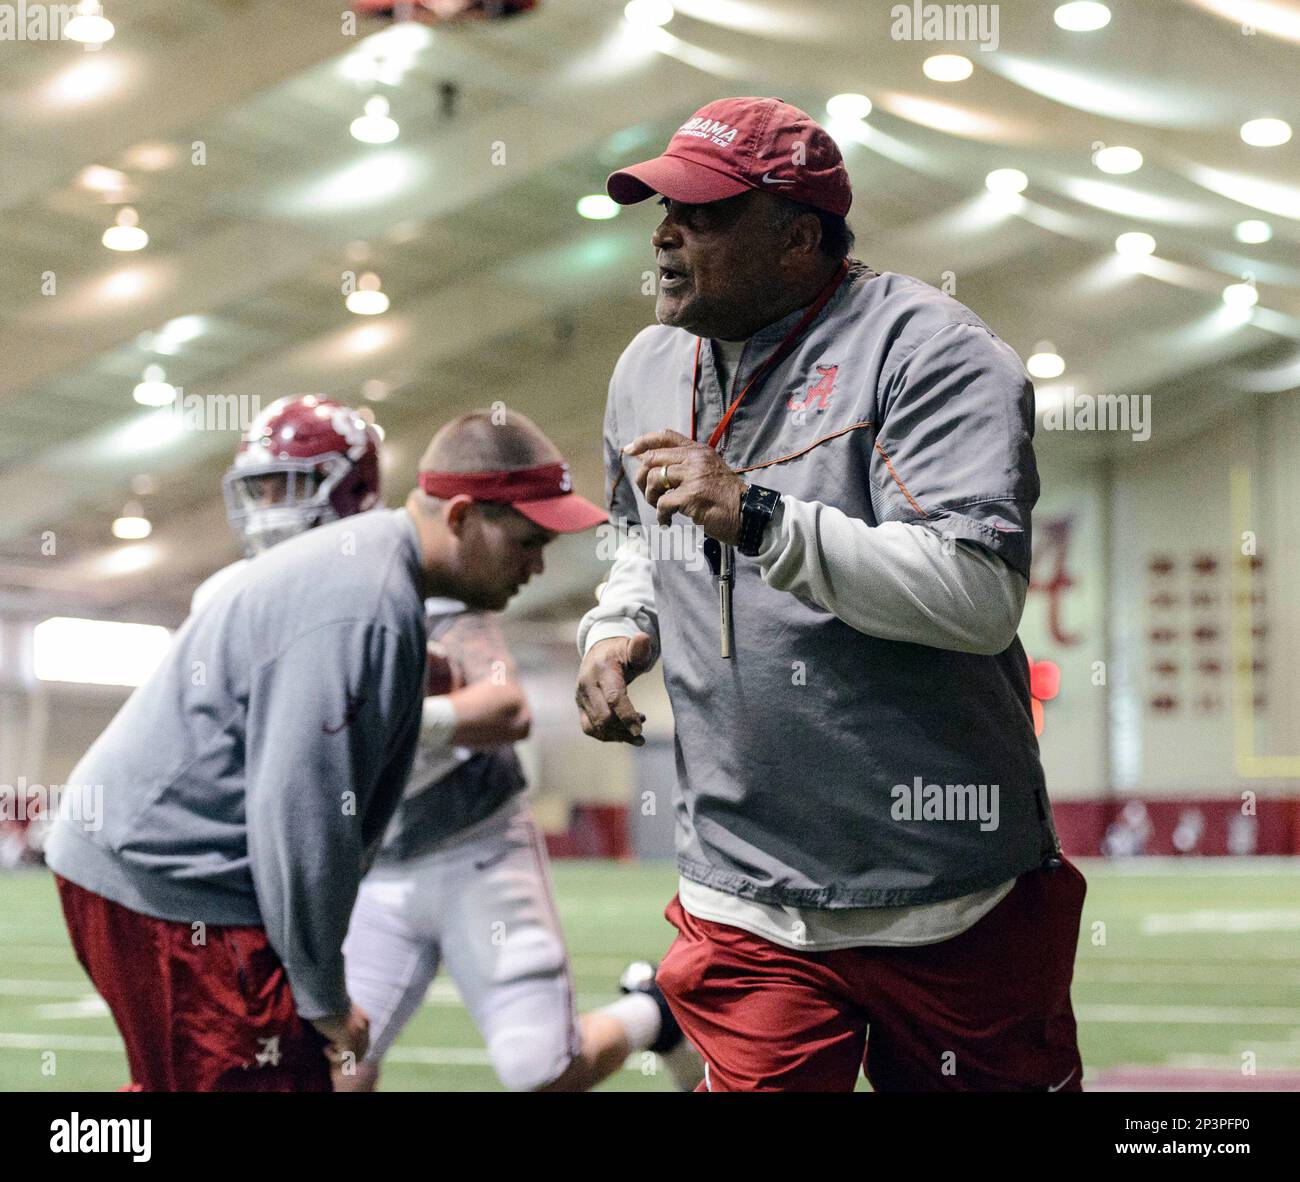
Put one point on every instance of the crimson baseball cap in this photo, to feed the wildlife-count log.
(736, 144)
(544, 494)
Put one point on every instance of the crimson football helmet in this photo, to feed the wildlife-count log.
(304, 461)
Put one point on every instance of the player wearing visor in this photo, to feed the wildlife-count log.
(250, 781)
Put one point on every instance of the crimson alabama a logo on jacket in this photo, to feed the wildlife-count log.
(818, 395)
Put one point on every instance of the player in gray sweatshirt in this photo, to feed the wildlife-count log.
(248, 781)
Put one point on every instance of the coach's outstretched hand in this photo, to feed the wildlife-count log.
(604, 709)
(348, 1034)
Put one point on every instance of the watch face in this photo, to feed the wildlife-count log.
(756, 510)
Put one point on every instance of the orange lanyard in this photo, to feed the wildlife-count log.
(773, 360)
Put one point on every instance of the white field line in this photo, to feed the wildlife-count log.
(428, 1056)
(89, 1006)
(1234, 923)
(1266, 1060)
(10, 1041)
(1134, 973)
(1160, 1015)
(1162, 866)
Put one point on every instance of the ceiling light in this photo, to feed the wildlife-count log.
(1265, 133)
(1006, 180)
(848, 106)
(150, 431)
(126, 234)
(1082, 16)
(89, 26)
(1118, 160)
(1045, 361)
(126, 283)
(155, 390)
(132, 525)
(375, 127)
(99, 179)
(407, 37)
(85, 82)
(1135, 243)
(947, 67)
(367, 338)
(597, 207)
(367, 300)
(1253, 231)
(652, 13)
(177, 332)
(150, 157)
(1240, 295)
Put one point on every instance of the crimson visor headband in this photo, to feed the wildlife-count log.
(543, 494)
(504, 487)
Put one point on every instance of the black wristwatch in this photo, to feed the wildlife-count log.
(757, 505)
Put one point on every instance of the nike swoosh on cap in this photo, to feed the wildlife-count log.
(769, 179)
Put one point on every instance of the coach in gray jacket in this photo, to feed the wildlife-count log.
(247, 782)
(827, 477)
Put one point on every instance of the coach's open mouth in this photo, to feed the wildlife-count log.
(669, 278)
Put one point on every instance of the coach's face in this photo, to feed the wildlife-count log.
(721, 265)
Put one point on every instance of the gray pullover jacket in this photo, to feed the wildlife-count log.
(249, 780)
(823, 766)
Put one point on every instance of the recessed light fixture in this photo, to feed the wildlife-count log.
(1252, 231)
(947, 67)
(367, 300)
(126, 233)
(89, 25)
(1265, 133)
(1135, 243)
(1082, 16)
(1045, 361)
(132, 525)
(848, 106)
(1240, 295)
(648, 13)
(375, 126)
(1118, 160)
(154, 390)
(1006, 180)
(598, 207)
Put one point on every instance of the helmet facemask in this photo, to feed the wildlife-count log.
(269, 502)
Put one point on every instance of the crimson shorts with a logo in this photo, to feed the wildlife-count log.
(215, 1016)
(987, 1010)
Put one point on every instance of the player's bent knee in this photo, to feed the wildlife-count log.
(527, 1060)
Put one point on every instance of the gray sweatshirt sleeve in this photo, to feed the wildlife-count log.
(894, 580)
(954, 452)
(627, 602)
(332, 722)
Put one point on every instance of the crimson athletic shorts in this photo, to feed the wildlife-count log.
(216, 1016)
(987, 1010)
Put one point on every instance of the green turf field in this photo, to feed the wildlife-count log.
(1198, 964)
